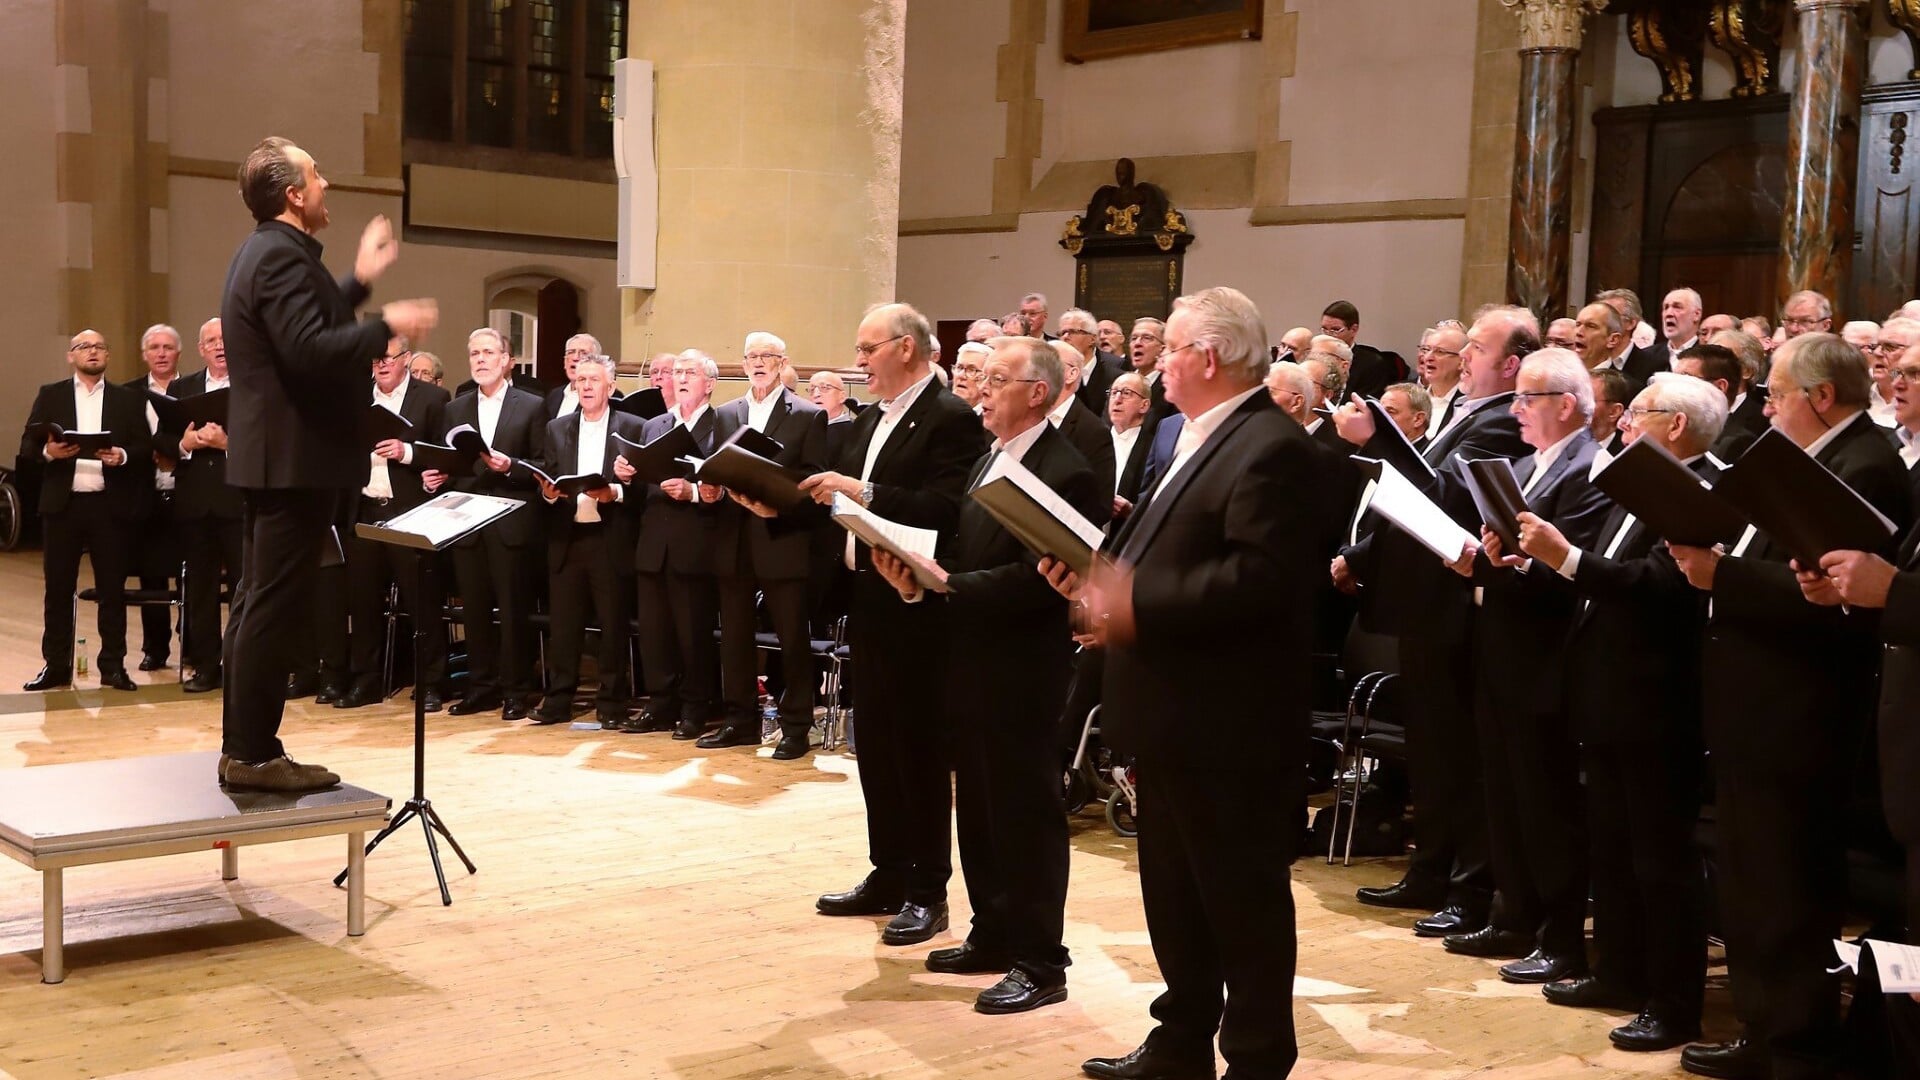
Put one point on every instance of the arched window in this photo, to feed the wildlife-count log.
(532, 76)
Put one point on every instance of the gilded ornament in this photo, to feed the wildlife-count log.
(1553, 24)
(1120, 219)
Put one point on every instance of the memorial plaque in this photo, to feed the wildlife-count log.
(1129, 247)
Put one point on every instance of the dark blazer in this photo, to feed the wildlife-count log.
(1744, 424)
(675, 534)
(1224, 569)
(1783, 675)
(1160, 453)
(776, 549)
(1329, 436)
(1643, 364)
(1370, 373)
(1096, 378)
(521, 434)
(838, 434)
(1900, 695)
(123, 412)
(1094, 439)
(200, 487)
(1128, 484)
(920, 477)
(1408, 590)
(1638, 615)
(299, 365)
(423, 407)
(1158, 407)
(620, 518)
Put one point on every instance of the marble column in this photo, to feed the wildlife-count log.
(1541, 219)
(1823, 147)
(777, 127)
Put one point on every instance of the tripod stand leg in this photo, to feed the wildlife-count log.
(433, 850)
(433, 816)
(406, 813)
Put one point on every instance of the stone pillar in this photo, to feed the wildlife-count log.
(1541, 220)
(777, 129)
(1823, 147)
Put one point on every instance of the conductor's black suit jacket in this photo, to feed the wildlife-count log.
(1224, 569)
(776, 549)
(521, 434)
(298, 361)
(123, 412)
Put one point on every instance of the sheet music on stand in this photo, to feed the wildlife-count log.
(903, 542)
(1036, 515)
(440, 521)
(1396, 499)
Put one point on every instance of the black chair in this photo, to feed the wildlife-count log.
(145, 598)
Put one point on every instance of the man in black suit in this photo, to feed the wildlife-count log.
(1411, 409)
(1144, 346)
(1643, 764)
(1086, 432)
(1789, 695)
(394, 486)
(674, 563)
(773, 557)
(208, 512)
(299, 366)
(1721, 367)
(88, 502)
(1612, 393)
(907, 460)
(1128, 402)
(1647, 352)
(562, 400)
(1322, 370)
(1906, 414)
(1746, 390)
(157, 559)
(1291, 386)
(1011, 624)
(1605, 343)
(1368, 372)
(1097, 368)
(589, 546)
(1530, 764)
(1407, 593)
(1207, 611)
(492, 568)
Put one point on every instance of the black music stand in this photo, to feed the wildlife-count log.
(429, 528)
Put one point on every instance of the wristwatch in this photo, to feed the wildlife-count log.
(866, 494)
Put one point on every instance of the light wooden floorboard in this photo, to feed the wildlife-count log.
(642, 909)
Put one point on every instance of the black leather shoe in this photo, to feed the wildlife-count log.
(513, 710)
(915, 924)
(478, 703)
(302, 685)
(1588, 992)
(1018, 993)
(648, 722)
(1490, 942)
(1736, 1060)
(1146, 1064)
(432, 702)
(791, 746)
(358, 697)
(548, 719)
(204, 680)
(117, 679)
(727, 735)
(1648, 1033)
(1449, 921)
(965, 959)
(688, 728)
(1540, 966)
(1403, 894)
(49, 679)
(150, 662)
(865, 898)
(328, 693)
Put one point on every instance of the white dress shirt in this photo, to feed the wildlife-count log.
(1909, 447)
(688, 421)
(569, 401)
(591, 458)
(1058, 414)
(760, 413)
(487, 411)
(890, 414)
(89, 406)
(1443, 411)
(380, 479)
(1544, 459)
(162, 478)
(1123, 446)
(1194, 433)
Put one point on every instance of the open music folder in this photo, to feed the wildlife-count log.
(1396, 499)
(1794, 499)
(1670, 498)
(1036, 515)
(903, 542)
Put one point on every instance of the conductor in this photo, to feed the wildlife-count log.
(298, 363)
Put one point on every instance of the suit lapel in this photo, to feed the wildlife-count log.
(1148, 522)
(904, 428)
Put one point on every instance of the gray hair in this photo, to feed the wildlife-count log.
(1701, 402)
(1159, 328)
(1330, 346)
(1627, 297)
(439, 369)
(1417, 397)
(1561, 372)
(1335, 378)
(827, 378)
(904, 320)
(160, 328)
(1291, 376)
(1033, 297)
(1228, 323)
(583, 336)
(1692, 296)
(1038, 359)
(1812, 359)
(1825, 305)
(489, 331)
(974, 347)
(1752, 354)
(1615, 322)
(1078, 319)
(761, 337)
(992, 327)
(706, 362)
(598, 360)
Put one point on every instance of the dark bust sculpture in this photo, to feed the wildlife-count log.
(1126, 207)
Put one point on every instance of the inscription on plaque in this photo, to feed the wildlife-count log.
(1128, 287)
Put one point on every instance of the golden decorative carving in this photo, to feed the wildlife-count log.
(1673, 37)
(1553, 24)
(1073, 239)
(1748, 31)
(1905, 14)
(1164, 240)
(1176, 223)
(1120, 219)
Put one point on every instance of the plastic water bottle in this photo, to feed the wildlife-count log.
(80, 657)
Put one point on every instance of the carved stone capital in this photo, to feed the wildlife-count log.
(1804, 6)
(1555, 24)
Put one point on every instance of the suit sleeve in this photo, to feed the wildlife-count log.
(1265, 566)
(294, 322)
(1017, 587)
(1653, 575)
(41, 413)
(934, 503)
(1900, 623)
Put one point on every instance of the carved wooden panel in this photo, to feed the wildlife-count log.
(1887, 214)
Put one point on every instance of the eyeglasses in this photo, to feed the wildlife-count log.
(1144, 337)
(971, 370)
(1907, 373)
(1075, 330)
(866, 351)
(1438, 352)
(1523, 395)
(996, 383)
(767, 357)
(1794, 320)
(1122, 393)
(86, 346)
(1639, 412)
(1886, 348)
(1167, 357)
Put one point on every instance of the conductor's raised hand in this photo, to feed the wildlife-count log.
(378, 249)
(411, 319)
(1354, 421)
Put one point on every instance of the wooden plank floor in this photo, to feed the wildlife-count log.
(642, 909)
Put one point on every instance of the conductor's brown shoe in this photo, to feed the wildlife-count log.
(280, 774)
